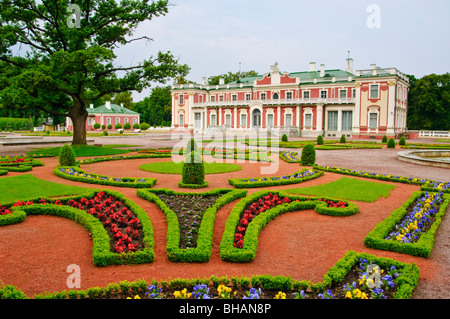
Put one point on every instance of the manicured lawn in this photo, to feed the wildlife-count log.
(80, 151)
(24, 187)
(176, 168)
(348, 189)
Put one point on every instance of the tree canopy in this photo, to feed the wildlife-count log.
(59, 58)
(429, 102)
(230, 77)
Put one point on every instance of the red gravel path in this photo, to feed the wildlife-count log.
(35, 254)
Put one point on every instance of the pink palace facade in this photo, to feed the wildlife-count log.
(363, 104)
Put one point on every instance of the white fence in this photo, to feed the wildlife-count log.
(434, 134)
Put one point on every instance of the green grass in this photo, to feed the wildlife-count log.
(176, 168)
(348, 189)
(79, 150)
(24, 187)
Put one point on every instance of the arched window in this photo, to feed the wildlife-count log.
(275, 96)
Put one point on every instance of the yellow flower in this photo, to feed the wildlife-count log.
(135, 297)
(348, 294)
(364, 296)
(280, 295)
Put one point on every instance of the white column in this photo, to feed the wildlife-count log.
(339, 123)
(191, 118)
(235, 117)
(319, 115)
(173, 111)
(357, 111)
(278, 116)
(390, 108)
(297, 121)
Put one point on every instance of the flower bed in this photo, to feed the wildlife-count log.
(427, 185)
(122, 157)
(240, 238)
(76, 174)
(259, 156)
(351, 276)
(121, 231)
(289, 156)
(190, 218)
(295, 178)
(411, 228)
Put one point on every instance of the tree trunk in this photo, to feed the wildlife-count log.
(79, 115)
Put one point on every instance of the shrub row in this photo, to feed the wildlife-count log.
(3, 172)
(185, 185)
(421, 248)
(123, 157)
(81, 176)
(260, 157)
(101, 252)
(7, 123)
(17, 168)
(202, 252)
(274, 180)
(407, 282)
(246, 254)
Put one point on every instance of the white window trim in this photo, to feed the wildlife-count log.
(292, 95)
(308, 111)
(309, 94)
(326, 94)
(370, 91)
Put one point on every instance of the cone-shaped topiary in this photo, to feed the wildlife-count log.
(193, 169)
(391, 143)
(402, 141)
(191, 146)
(67, 156)
(384, 140)
(319, 140)
(284, 138)
(343, 140)
(308, 156)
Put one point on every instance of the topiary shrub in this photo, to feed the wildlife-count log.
(308, 156)
(391, 143)
(193, 174)
(136, 126)
(97, 126)
(105, 133)
(118, 126)
(127, 126)
(384, 140)
(284, 138)
(109, 126)
(67, 156)
(402, 141)
(144, 126)
(191, 146)
(343, 140)
(319, 140)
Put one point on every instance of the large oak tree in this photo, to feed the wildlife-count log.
(59, 58)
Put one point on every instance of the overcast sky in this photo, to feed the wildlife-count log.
(212, 37)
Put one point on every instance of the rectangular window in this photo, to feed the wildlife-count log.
(289, 95)
(126, 120)
(354, 93)
(263, 96)
(374, 91)
(248, 97)
(288, 120)
(323, 94)
(181, 99)
(228, 120)
(342, 94)
(221, 98)
(373, 120)
(347, 120)
(117, 120)
(308, 120)
(234, 97)
(243, 119)
(108, 121)
(198, 120)
(332, 120)
(306, 94)
(134, 120)
(269, 119)
(213, 98)
(181, 119)
(213, 120)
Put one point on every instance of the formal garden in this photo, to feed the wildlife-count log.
(213, 226)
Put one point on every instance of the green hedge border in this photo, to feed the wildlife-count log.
(118, 158)
(183, 185)
(238, 183)
(407, 282)
(202, 252)
(421, 248)
(101, 253)
(149, 182)
(246, 254)
(3, 172)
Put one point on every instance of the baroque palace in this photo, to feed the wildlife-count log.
(363, 104)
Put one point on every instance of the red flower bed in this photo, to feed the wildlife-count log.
(267, 202)
(123, 227)
(15, 161)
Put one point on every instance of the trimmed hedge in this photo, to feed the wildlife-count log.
(246, 183)
(67, 156)
(103, 179)
(421, 248)
(120, 157)
(406, 282)
(308, 156)
(202, 252)
(193, 171)
(246, 254)
(3, 172)
(101, 251)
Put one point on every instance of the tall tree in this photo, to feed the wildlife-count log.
(429, 102)
(157, 108)
(62, 55)
(230, 77)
